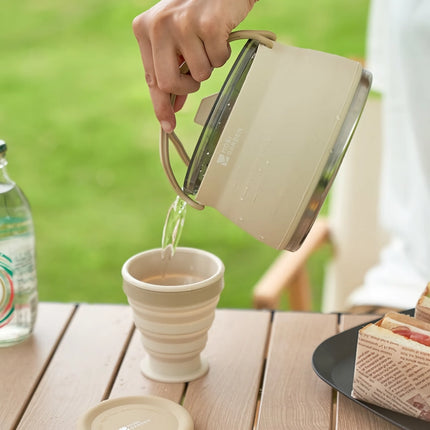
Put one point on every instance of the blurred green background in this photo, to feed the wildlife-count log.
(83, 141)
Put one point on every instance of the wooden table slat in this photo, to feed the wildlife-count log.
(22, 365)
(78, 378)
(226, 397)
(131, 382)
(293, 396)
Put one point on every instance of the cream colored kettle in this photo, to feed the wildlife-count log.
(273, 138)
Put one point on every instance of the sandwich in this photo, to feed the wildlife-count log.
(422, 309)
(392, 366)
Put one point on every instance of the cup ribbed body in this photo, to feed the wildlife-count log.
(174, 320)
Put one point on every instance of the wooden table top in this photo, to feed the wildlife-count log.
(260, 374)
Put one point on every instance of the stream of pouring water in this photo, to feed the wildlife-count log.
(172, 229)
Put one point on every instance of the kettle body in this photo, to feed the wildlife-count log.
(275, 137)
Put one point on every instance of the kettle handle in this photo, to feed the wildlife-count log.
(264, 37)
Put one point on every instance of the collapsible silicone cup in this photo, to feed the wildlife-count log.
(173, 319)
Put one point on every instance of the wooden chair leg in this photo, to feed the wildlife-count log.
(300, 292)
(287, 274)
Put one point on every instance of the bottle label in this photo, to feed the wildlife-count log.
(6, 290)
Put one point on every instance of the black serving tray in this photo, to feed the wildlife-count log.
(334, 361)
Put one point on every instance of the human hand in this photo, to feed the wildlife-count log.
(194, 31)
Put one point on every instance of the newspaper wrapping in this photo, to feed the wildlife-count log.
(391, 375)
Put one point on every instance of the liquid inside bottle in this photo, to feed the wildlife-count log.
(18, 282)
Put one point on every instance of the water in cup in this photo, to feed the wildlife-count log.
(173, 279)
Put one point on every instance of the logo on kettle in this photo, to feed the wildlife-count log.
(227, 148)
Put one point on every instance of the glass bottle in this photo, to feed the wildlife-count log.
(18, 281)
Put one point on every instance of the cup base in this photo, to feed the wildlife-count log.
(180, 376)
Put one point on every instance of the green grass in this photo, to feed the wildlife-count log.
(83, 141)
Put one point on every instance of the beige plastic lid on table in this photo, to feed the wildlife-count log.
(137, 413)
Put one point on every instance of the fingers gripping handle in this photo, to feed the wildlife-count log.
(267, 39)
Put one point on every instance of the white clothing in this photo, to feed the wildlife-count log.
(399, 58)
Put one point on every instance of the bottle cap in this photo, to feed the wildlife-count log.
(135, 413)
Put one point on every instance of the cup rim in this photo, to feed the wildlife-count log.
(132, 281)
